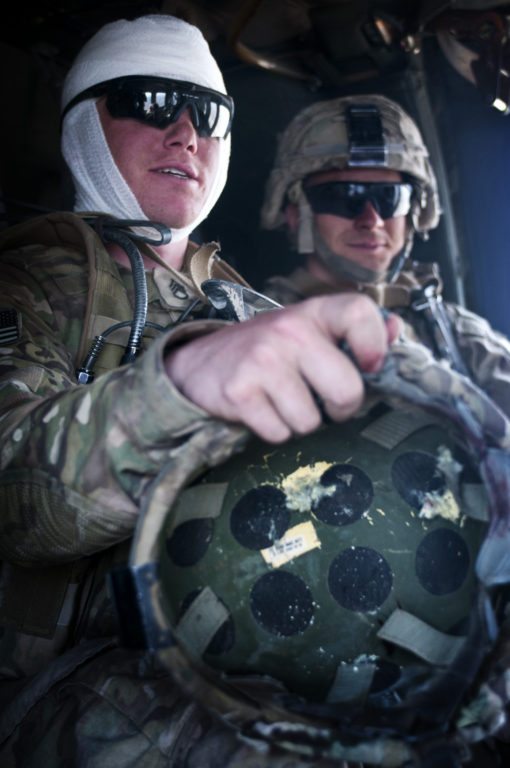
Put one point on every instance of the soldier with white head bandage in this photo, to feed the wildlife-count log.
(119, 376)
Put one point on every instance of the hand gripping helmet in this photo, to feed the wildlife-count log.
(369, 131)
(337, 596)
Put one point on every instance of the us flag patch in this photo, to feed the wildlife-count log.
(10, 325)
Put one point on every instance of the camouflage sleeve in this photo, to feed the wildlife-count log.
(485, 352)
(76, 460)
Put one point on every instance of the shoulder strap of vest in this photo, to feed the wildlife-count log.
(107, 301)
(59, 228)
(71, 230)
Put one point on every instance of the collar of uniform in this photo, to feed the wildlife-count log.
(400, 293)
(397, 294)
(388, 296)
(307, 284)
(178, 287)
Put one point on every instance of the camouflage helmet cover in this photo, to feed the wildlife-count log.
(317, 139)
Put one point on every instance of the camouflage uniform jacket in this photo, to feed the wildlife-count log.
(77, 459)
(484, 351)
(78, 465)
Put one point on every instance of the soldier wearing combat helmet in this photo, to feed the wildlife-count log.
(353, 183)
(369, 141)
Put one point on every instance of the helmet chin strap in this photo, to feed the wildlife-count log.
(305, 235)
(344, 268)
(400, 259)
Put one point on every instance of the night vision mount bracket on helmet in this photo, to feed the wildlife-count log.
(444, 703)
(367, 146)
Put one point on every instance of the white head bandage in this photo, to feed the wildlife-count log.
(154, 45)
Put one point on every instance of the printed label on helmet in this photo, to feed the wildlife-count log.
(295, 542)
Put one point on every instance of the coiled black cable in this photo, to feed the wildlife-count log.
(119, 231)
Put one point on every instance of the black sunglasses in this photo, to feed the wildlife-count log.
(349, 198)
(158, 102)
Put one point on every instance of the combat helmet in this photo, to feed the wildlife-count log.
(355, 616)
(350, 132)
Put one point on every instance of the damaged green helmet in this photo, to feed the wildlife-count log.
(334, 564)
(342, 596)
